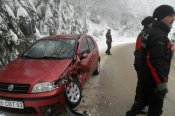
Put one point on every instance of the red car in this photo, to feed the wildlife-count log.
(48, 75)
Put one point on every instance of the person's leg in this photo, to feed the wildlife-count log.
(136, 109)
(156, 104)
(139, 93)
(140, 96)
(139, 102)
(108, 48)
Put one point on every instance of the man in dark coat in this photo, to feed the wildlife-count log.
(108, 41)
(156, 60)
(147, 23)
(140, 101)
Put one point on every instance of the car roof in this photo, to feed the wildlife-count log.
(64, 36)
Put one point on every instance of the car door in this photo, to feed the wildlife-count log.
(93, 55)
(83, 52)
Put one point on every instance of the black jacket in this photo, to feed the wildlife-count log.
(156, 55)
(137, 52)
(108, 37)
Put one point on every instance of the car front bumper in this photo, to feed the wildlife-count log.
(37, 103)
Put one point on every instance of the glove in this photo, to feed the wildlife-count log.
(162, 89)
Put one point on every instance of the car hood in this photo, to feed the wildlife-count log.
(28, 71)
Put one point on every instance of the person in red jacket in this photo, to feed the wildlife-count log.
(140, 102)
(156, 59)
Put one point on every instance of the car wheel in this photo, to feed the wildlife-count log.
(73, 94)
(97, 70)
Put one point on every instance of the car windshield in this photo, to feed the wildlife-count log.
(52, 49)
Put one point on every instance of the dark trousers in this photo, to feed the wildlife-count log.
(140, 98)
(139, 92)
(155, 101)
(108, 47)
(146, 95)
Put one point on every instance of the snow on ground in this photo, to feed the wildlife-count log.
(98, 31)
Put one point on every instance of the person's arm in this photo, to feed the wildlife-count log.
(156, 62)
(137, 52)
(156, 58)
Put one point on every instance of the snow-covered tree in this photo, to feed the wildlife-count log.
(23, 21)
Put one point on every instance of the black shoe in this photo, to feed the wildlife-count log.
(144, 110)
(130, 113)
(108, 53)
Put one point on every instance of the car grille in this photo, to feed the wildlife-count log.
(17, 88)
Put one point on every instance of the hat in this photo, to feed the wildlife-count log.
(147, 20)
(163, 11)
(109, 30)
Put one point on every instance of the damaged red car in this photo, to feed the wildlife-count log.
(49, 75)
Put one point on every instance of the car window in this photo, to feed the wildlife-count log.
(57, 48)
(91, 43)
(84, 46)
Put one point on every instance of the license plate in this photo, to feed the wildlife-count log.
(12, 104)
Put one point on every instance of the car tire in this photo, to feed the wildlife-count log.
(73, 93)
(97, 70)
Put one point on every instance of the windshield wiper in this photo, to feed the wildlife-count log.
(27, 56)
(50, 57)
(45, 57)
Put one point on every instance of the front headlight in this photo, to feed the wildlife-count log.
(44, 87)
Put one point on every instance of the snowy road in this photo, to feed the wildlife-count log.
(112, 92)
(118, 82)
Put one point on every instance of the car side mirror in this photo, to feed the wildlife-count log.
(83, 56)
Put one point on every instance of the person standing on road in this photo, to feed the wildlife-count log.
(108, 41)
(156, 59)
(140, 102)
